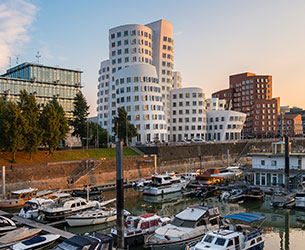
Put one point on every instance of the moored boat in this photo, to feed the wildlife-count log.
(188, 227)
(95, 240)
(136, 227)
(236, 195)
(92, 191)
(300, 199)
(66, 207)
(19, 234)
(18, 198)
(93, 216)
(38, 241)
(254, 193)
(164, 184)
(283, 200)
(231, 237)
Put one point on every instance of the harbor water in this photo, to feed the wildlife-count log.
(283, 229)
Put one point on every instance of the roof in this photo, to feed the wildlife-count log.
(28, 190)
(224, 175)
(245, 217)
(192, 213)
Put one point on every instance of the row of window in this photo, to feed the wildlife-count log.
(168, 39)
(187, 103)
(262, 80)
(130, 59)
(168, 56)
(186, 128)
(187, 119)
(147, 117)
(147, 126)
(132, 51)
(132, 42)
(188, 95)
(131, 32)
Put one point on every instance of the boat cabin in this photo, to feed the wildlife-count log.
(24, 194)
(144, 222)
(197, 216)
(87, 242)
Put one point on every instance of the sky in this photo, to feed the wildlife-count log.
(213, 38)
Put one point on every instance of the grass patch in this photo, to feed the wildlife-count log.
(63, 155)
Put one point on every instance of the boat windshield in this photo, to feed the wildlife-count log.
(208, 238)
(183, 223)
(220, 241)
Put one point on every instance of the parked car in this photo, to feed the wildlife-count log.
(197, 140)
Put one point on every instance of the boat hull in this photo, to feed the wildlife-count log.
(178, 245)
(81, 221)
(165, 190)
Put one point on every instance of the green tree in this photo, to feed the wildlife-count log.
(2, 120)
(97, 132)
(14, 127)
(30, 110)
(54, 125)
(120, 123)
(80, 114)
(63, 121)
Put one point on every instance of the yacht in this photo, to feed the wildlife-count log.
(136, 227)
(62, 208)
(93, 216)
(188, 227)
(233, 237)
(164, 184)
(31, 208)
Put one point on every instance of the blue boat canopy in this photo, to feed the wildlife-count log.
(245, 217)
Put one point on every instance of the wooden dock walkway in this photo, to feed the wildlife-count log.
(46, 228)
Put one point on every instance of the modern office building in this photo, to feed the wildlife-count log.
(138, 76)
(252, 94)
(188, 114)
(44, 82)
(193, 116)
(224, 125)
(177, 80)
(291, 124)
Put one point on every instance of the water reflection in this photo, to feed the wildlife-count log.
(283, 229)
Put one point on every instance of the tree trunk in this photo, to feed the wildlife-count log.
(30, 154)
(13, 156)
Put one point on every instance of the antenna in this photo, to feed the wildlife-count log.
(38, 56)
(17, 59)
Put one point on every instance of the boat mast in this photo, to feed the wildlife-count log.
(287, 162)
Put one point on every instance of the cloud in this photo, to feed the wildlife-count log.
(16, 17)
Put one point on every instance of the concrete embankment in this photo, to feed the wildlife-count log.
(179, 158)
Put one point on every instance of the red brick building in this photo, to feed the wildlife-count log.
(252, 94)
(292, 124)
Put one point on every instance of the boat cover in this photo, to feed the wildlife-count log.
(36, 239)
(245, 217)
(81, 241)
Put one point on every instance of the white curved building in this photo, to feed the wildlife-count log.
(144, 52)
(139, 92)
(188, 114)
(225, 125)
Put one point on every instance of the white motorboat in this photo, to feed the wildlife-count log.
(19, 234)
(136, 227)
(95, 240)
(6, 225)
(92, 217)
(163, 184)
(31, 208)
(142, 183)
(188, 227)
(38, 241)
(233, 237)
(65, 207)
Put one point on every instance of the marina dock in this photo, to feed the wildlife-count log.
(46, 228)
(34, 224)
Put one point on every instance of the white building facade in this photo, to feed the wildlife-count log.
(188, 114)
(224, 125)
(138, 77)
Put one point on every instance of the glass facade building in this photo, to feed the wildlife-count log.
(42, 81)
